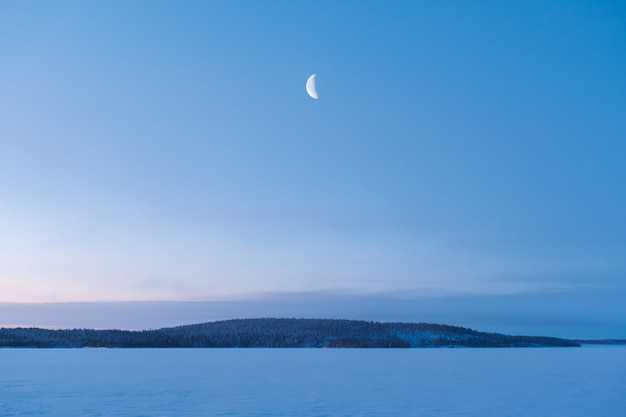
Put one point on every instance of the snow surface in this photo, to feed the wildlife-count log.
(588, 381)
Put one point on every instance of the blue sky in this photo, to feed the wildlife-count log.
(168, 150)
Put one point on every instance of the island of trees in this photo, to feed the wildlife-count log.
(276, 333)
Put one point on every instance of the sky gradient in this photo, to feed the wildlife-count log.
(159, 151)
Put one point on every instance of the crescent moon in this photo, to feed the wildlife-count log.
(310, 87)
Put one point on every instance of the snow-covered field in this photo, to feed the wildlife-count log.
(588, 381)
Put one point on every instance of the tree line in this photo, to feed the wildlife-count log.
(276, 333)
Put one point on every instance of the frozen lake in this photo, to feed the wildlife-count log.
(588, 381)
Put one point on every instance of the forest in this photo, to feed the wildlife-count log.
(276, 333)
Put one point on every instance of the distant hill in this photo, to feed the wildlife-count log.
(276, 333)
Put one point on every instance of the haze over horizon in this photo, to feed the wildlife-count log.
(159, 151)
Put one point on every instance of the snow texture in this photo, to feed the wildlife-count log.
(587, 381)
